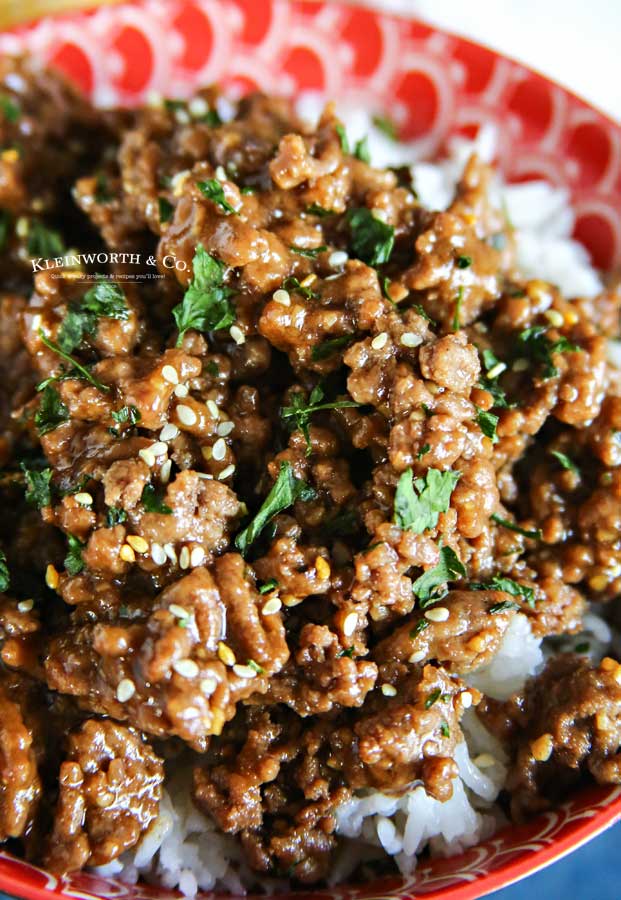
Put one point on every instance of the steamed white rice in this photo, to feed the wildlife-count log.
(184, 849)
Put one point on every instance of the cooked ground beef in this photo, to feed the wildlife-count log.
(271, 508)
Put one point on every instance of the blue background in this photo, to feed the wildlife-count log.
(591, 873)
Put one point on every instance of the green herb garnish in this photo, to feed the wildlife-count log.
(206, 305)
(457, 313)
(115, 516)
(349, 652)
(153, 502)
(104, 300)
(327, 348)
(80, 370)
(539, 348)
(73, 560)
(213, 190)
(166, 209)
(361, 150)
(310, 253)
(426, 586)
(284, 493)
(5, 578)
(301, 411)
(433, 697)
(488, 423)
(423, 450)
(5, 223)
(420, 626)
(508, 585)
(584, 647)
(52, 411)
(387, 126)
(9, 108)
(315, 210)
(371, 239)
(445, 731)
(565, 461)
(506, 523)
(268, 586)
(38, 486)
(102, 193)
(342, 138)
(419, 501)
(44, 242)
(463, 262)
(503, 606)
(293, 284)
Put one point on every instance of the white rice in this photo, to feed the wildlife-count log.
(184, 849)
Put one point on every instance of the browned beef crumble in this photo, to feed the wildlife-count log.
(275, 506)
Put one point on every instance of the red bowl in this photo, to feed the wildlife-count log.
(437, 85)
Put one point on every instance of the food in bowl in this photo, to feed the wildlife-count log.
(311, 498)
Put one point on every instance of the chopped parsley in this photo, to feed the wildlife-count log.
(5, 222)
(433, 697)
(421, 312)
(503, 606)
(293, 284)
(77, 369)
(464, 262)
(565, 461)
(494, 368)
(9, 108)
(212, 368)
(153, 502)
(426, 586)
(419, 501)
(340, 130)
(38, 486)
(342, 524)
(488, 423)
(115, 516)
(102, 192)
(535, 534)
(166, 209)
(420, 626)
(509, 586)
(73, 560)
(315, 210)
(349, 652)
(423, 450)
(371, 239)
(213, 190)
(5, 578)
(301, 410)
(311, 253)
(540, 349)
(361, 150)
(457, 313)
(386, 126)
(104, 300)
(584, 647)
(52, 411)
(44, 242)
(445, 731)
(284, 493)
(268, 586)
(206, 305)
(327, 348)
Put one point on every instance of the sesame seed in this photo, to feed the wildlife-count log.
(25, 606)
(520, 365)
(170, 552)
(350, 624)
(137, 543)
(310, 279)
(187, 668)
(127, 554)
(184, 558)
(197, 557)
(212, 406)
(84, 498)
(169, 432)
(496, 370)
(159, 448)
(178, 611)
(178, 180)
(181, 390)
(208, 686)
(281, 296)
(237, 334)
(542, 747)
(218, 451)
(220, 173)
(337, 258)
(147, 457)
(554, 317)
(484, 760)
(22, 226)
(186, 415)
(437, 614)
(380, 214)
(170, 374)
(182, 117)
(379, 341)
(225, 428)
(290, 600)
(226, 473)
(388, 690)
(225, 654)
(52, 578)
(165, 471)
(417, 656)
(125, 690)
(198, 106)
(323, 568)
(409, 339)
(244, 671)
(157, 554)
(466, 699)
(271, 606)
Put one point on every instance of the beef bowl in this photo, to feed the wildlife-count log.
(311, 456)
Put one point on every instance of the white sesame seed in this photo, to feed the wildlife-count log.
(496, 370)
(379, 341)
(388, 690)
(170, 552)
(409, 339)
(350, 624)
(218, 451)
(187, 668)
(197, 557)
(25, 606)
(271, 606)
(157, 554)
(212, 406)
(169, 432)
(125, 690)
(186, 415)
(282, 297)
(181, 390)
(165, 471)
(182, 117)
(220, 173)
(226, 473)
(22, 227)
(244, 671)
(184, 558)
(178, 611)
(178, 180)
(147, 457)
(170, 374)
(198, 106)
(554, 317)
(484, 760)
(417, 656)
(466, 699)
(380, 214)
(520, 365)
(84, 499)
(225, 428)
(237, 334)
(437, 614)
(208, 686)
(337, 258)
(159, 448)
